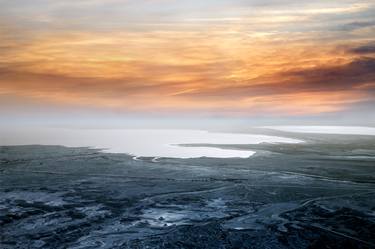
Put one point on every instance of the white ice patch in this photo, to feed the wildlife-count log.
(141, 142)
(181, 215)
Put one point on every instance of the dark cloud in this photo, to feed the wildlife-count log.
(365, 49)
(351, 75)
(356, 75)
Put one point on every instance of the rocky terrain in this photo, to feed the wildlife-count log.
(320, 194)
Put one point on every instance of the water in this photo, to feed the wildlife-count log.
(140, 142)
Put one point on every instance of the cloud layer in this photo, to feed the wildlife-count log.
(231, 58)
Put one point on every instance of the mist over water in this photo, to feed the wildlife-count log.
(344, 130)
(140, 142)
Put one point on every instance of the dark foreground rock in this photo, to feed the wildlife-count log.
(284, 197)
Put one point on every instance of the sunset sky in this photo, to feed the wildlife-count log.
(227, 58)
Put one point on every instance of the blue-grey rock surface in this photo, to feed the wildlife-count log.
(319, 194)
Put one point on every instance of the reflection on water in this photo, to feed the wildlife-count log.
(140, 142)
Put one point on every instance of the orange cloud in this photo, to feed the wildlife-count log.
(230, 71)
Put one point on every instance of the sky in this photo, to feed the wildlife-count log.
(226, 59)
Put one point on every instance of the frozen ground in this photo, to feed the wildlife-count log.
(318, 194)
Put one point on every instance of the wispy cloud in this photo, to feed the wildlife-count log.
(229, 57)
